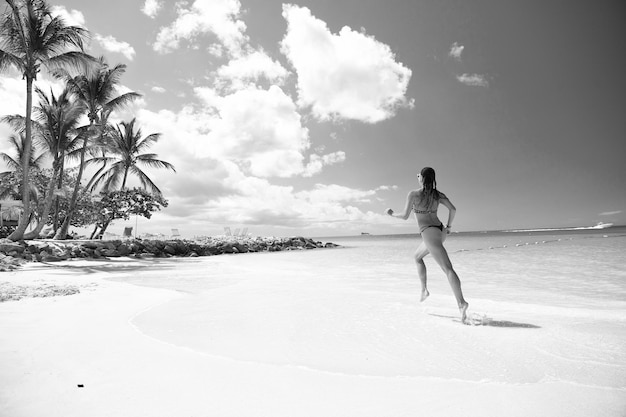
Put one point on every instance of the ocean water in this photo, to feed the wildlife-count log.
(549, 307)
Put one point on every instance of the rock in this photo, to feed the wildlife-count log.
(11, 247)
(124, 250)
(227, 249)
(111, 253)
(37, 250)
(92, 245)
(240, 248)
(47, 257)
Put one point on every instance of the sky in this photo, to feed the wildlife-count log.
(313, 117)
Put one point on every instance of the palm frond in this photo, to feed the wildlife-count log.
(149, 159)
(146, 182)
(17, 122)
(8, 60)
(148, 141)
(76, 60)
(121, 101)
(99, 160)
(73, 155)
(10, 162)
(113, 176)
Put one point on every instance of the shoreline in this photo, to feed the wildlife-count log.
(14, 254)
(92, 354)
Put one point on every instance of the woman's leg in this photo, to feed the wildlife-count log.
(420, 253)
(433, 239)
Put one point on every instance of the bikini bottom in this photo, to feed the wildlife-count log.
(439, 226)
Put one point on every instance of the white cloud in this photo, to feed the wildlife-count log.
(249, 68)
(151, 8)
(211, 190)
(336, 193)
(158, 89)
(345, 76)
(216, 50)
(610, 213)
(71, 17)
(387, 188)
(317, 162)
(218, 17)
(110, 44)
(259, 128)
(455, 51)
(475, 80)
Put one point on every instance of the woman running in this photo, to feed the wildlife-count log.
(424, 203)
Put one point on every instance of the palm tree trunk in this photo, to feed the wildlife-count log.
(55, 222)
(61, 233)
(125, 176)
(18, 234)
(103, 228)
(47, 204)
(95, 229)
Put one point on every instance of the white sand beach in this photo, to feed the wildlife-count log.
(293, 334)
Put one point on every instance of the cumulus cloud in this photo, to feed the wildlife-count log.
(261, 129)
(455, 51)
(348, 75)
(261, 203)
(71, 17)
(317, 162)
(475, 80)
(217, 17)
(151, 8)
(210, 189)
(336, 193)
(249, 68)
(110, 44)
(157, 89)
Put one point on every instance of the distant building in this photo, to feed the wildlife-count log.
(10, 212)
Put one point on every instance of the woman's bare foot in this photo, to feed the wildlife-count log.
(425, 295)
(463, 311)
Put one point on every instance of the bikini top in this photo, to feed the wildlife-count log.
(433, 206)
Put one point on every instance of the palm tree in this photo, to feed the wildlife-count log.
(30, 37)
(127, 149)
(98, 91)
(17, 143)
(57, 121)
(9, 187)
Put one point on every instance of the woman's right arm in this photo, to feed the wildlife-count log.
(407, 207)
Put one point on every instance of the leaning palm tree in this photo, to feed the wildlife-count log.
(31, 38)
(128, 148)
(98, 91)
(56, 120)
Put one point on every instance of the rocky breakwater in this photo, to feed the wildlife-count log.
(12, 254)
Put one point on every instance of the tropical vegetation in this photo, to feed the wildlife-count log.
(72, 127)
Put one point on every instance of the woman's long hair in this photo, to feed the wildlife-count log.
(429, 192)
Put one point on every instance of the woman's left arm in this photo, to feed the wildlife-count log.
(445, 201)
